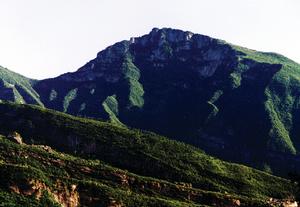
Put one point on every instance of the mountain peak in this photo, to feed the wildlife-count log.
(165, 35)
(158, 47)
(156, 44)
(172, 34)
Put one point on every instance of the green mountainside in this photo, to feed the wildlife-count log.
(238, 104)
(235, 103)
(71, 161)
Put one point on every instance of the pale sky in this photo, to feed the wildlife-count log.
(45, 38)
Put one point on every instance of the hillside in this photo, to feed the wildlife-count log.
(17, 88)
(97, 163)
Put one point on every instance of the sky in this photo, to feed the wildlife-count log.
(45, 38)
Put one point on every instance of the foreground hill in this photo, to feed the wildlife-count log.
(155, 171)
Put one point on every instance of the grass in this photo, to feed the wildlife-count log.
(97, 182)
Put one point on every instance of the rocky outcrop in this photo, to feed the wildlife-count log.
(63, 195)
(15, 137)
(282, 203)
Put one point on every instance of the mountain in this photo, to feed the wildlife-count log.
(238, 104)
(62, 160)
(235, 103)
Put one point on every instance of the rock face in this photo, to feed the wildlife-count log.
(283, 203)
(15, 137)
(236, 103)
(62, 195)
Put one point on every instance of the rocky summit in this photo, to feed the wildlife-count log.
(235, 103)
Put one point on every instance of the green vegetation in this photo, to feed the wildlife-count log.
(235, 79)
(71, 95)
(216, 96)
(167, 95)
(23, 87)
(136, 91)
(17, 96)
(238, 104)
(82, 107)
(110, 105)
(264, 57)
(281, 140)
(35, 172)
(281, 94)
(53, 95)
(92, 91)
(168, 162)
